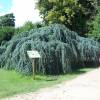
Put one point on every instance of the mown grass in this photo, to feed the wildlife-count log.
(12, 83)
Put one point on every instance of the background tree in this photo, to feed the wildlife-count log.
(7, 20)
(6, 34)
(72, 13)
(95, 27)
(27, 27)
(7, 25)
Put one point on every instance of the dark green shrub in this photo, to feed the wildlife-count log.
(6, 33)
(61, 50)
(7, 20)
(27, 27)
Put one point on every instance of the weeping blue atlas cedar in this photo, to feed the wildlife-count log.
(62, 50)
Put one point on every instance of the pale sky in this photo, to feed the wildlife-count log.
(24, 10)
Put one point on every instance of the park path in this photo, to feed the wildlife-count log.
(84, 87)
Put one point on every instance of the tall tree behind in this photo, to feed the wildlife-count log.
(7, 20)
(73, 13)
(95, 27)
(7, 26)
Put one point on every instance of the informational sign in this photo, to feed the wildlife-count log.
(33, 54)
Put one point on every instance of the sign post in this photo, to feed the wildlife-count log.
(33, 65)
(33, 55)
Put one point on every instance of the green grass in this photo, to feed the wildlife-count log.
(12, 83)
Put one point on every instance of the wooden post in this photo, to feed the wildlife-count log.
(33, 65)
(33, 55)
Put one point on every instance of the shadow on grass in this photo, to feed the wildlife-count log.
(56, 77)
(82, 71)
(78, 72)
(47, 78)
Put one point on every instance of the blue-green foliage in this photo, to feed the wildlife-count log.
(60, 48)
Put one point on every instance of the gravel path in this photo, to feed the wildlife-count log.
(84, 87)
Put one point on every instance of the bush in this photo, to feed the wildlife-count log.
(27, 27)
(61, 50)
(6, 33)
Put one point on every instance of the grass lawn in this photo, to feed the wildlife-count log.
(12, 83)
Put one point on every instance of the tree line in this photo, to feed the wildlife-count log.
(78, 15)
(74, 14)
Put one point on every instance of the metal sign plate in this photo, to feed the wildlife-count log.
(33, 54)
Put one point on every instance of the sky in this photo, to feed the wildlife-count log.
(5, 6)
(24, 10)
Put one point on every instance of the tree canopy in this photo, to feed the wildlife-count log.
(7, 25)
(95, 30)
(72, 13)
(7, 20)
(27, 27)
